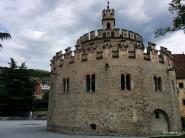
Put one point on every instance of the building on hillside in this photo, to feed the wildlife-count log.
(45, 85)
(41, 87)
(110, 86)
(38, 90)
(179, 61)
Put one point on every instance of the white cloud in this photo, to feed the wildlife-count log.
(137, 8)
(174, 42)
(40, 28)
(37, 34)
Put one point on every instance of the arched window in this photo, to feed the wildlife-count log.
(104, 35)
(155, 83)
(112, 34)
(128, 83)
(90, 83)
(108, 25)
(108, 34)
(160, 84)
(64, 85)
(125, 82)
(173, 85)
(87, 83)
(93, 82)
(67, 85)
(122, 81)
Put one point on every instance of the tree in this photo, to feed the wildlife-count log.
(176, 7)
(4, 36)
(18, 89)
(12, 64)
(45, 96)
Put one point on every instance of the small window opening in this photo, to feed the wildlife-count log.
(99, 55)
(160, 83)
(125, 82)
(183, 101)
(108, 34)
(115, 54)
(67, 85)
(155, 83)
(108, 25)
(181, 85)
(93, 126)
(84, 57)
(112, 34)
(87, 83)
(122, 81)
(90, 83)
(93, 83)
(157, 116)
(128, 82)
(64, 85)
(173, 85)
(104, 35)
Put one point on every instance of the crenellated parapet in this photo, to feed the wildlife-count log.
(110, 42)
(109, 49)
(116, 34)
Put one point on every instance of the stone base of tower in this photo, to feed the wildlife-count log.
(137, 130)
(100, 132)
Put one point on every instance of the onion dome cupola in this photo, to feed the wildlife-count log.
(108, 20)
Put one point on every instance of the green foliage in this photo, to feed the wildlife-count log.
(16, 89)
(176, 7)
(40, 105)
(45, 96)
(4, 36)
(12, 64)
(38, 73)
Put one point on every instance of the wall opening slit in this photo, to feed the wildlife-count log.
(93, 126)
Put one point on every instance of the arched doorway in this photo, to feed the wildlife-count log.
(108, 25)
(159, 122)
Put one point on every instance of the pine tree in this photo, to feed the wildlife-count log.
(17, 89)
(4, 36)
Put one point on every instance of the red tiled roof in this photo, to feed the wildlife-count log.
(179, 61)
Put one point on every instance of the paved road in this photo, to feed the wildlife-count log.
(34, 129)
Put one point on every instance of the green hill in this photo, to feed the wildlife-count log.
(38, 73)
(35, 73)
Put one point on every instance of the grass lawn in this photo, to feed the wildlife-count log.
(183, 136)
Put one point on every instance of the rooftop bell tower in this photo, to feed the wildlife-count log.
(108, 20)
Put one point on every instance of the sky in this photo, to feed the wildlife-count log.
(40, 28)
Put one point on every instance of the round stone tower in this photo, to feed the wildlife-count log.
(108, 85)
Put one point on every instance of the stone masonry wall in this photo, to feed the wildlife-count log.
(112, 110)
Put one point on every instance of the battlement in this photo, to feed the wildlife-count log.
(116, 33)
(125, 50)
(108, 13)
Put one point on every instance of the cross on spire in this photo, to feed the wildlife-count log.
(108, 4)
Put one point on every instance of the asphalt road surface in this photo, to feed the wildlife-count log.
(35, 129)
